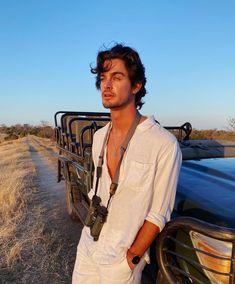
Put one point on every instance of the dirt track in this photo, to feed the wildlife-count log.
(51, 195)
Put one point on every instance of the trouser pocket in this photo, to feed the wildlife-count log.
(118, 273)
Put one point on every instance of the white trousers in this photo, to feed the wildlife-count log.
(87, 271)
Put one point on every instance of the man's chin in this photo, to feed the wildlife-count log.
(110, 106)
(105, 106)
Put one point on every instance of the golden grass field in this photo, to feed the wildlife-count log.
(33, 245)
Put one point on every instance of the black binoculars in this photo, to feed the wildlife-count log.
(96, 217)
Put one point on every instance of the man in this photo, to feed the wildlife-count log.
(145, 194)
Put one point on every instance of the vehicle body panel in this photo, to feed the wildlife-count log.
(206, 190)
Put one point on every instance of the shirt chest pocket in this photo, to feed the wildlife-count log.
(139, 175)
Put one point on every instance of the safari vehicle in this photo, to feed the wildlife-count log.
(197, 245)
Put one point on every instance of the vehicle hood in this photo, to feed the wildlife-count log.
(206, 190)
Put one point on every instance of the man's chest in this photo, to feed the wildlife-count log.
(112, 158)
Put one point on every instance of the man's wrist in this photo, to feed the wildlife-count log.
(134, 257)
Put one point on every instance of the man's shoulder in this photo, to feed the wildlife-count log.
(166, 135)
(155, 131)
(100, 133)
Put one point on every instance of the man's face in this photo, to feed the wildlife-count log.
(115, 86)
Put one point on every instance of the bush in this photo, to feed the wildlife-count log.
(11, 137)
(46, 132)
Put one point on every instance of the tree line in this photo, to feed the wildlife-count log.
(212, 134)
(46, 131)
(21, 130)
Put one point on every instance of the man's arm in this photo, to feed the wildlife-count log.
(162, 203)
(143, 240)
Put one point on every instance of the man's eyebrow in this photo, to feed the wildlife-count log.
(114, 73)
(118, 73)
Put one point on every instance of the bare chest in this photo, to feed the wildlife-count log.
(113, 156)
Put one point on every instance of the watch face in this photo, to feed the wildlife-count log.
(136, 259)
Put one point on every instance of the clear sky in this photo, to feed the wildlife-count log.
(187, 47)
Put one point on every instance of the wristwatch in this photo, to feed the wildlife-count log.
(136, 259)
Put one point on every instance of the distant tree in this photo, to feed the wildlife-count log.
(46, 131)
(3, 128)
(35, 131)
(44, 123)
(231, 124)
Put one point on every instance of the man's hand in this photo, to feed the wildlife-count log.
(129, 257)
(143, 240)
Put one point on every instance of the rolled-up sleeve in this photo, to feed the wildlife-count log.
(165, 183)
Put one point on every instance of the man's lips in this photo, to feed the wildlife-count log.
(108, 95)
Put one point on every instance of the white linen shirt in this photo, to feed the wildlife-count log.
(146, 189)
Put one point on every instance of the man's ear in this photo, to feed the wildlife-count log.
(136, 88)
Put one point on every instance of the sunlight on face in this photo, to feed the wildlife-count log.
(116, 86)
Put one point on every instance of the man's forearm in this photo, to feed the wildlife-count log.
(143, 240)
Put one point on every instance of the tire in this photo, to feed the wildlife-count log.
(72, 198)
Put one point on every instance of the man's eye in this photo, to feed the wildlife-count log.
(117, 78)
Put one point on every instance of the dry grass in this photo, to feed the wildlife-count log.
(2, 136)
(31, 251)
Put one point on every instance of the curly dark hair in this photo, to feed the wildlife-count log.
(132, 62)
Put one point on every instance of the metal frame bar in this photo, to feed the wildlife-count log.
(191, 224)
(64, 131)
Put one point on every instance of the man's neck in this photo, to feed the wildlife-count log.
(123, 119)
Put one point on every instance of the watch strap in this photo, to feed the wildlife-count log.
(136, 259)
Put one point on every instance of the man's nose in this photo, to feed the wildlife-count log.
(109, 84)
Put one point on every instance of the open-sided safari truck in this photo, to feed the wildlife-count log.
(198, 245)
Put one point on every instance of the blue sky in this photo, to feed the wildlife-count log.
(187, 47)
